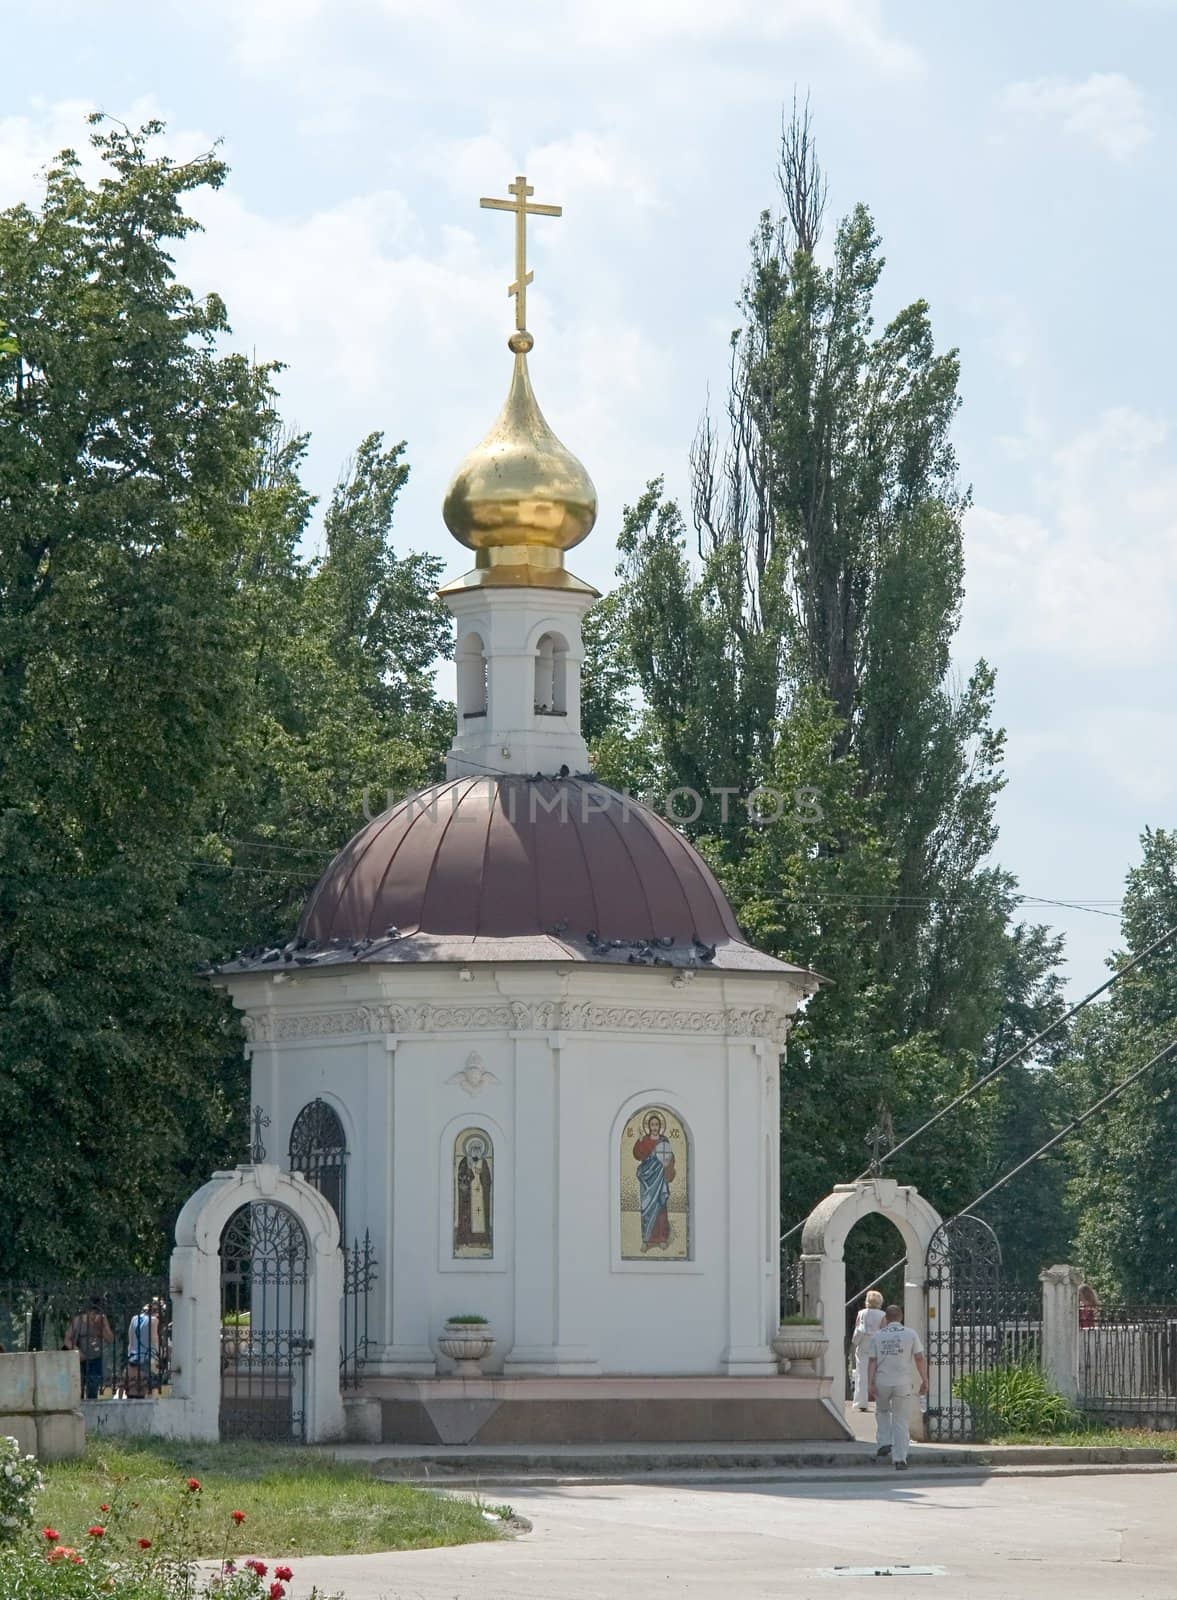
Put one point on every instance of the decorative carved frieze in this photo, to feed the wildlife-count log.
(579, 1016)
(576, 1016)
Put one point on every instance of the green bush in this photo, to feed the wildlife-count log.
(1016, 1398)
(799, 1321)
(20, 1484)
(29, 1575)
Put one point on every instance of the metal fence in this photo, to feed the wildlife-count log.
(359, 1274)
(120, 1327)
(791, 1283)
(1128, 1359)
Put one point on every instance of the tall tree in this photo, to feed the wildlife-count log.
(126, 448)
(809, 647)
(1125, 1187)
(191, 707)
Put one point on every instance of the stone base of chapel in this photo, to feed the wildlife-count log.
(636, 1410)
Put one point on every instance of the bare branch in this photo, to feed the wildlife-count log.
(802, 182)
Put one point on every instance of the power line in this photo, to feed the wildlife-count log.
(967, 1094)
(1164, 1054)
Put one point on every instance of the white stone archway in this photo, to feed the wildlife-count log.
(196, 1298)
(823, 1242)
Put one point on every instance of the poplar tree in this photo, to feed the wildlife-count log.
(805, 643)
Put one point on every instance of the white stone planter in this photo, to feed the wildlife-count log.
(800, 1349)
(467, 1344)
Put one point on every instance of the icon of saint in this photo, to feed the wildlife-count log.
(473, 1232)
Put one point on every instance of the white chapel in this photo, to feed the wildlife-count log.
(520, 1041)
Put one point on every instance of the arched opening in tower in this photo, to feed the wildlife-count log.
(472, 676)
(551, 676)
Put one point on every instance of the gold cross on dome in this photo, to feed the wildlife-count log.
(521, 189)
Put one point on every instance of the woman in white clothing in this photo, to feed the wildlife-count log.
(867, 1323)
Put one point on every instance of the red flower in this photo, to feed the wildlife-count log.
(193, 1485)
(238, 1517)
(104, 1508)
(284, 1573)
(51, 1534)
(145, 1544)
(277, 1591)
(58, 1551)
(257, 1566)
(97, 1531)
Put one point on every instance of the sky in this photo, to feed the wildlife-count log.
(1018, 161)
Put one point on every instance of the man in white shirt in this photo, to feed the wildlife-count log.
(896, 1361)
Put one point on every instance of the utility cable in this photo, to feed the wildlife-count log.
(1164, 1054)
(973, 1089)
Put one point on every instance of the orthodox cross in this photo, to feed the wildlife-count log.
(880, 1138)
(522, 209)
(257, 1152)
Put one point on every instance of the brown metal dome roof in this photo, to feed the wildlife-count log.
(517, 868)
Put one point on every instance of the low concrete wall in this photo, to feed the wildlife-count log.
(1156, 1418)
(40, 1403)
(160, 1417)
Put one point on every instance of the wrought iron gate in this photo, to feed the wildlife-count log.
(265, 1280)
(977, 1328)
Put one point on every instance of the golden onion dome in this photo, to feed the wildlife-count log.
(520, 498)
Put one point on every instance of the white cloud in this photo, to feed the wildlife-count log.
(1130, 749)
(1105, 110)
(28, 143)
(269, 35)
(1090, 574)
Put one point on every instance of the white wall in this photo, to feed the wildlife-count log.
(563, 1055)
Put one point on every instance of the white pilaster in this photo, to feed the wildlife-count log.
(748, 1351)
(409, 1352)
(541, 1286)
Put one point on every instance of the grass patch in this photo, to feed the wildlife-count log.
(1122, 1438)
(295, 1502)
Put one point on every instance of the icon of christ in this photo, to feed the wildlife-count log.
(655, 1158)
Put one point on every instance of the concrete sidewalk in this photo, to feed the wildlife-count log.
(465, 1465)
(849, 1459)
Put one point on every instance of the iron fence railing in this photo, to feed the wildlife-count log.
(791, 1283)
(120, 1327)
(1128, 1359)
(359, 1274)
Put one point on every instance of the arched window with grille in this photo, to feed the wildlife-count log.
(318, 1150)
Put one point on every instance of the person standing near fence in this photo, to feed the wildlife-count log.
(867, 1323)
(1088, 1306)
(143, 1352)
(89, 1333)
(898, 1370)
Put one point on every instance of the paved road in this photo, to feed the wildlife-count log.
(1113, 1536)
